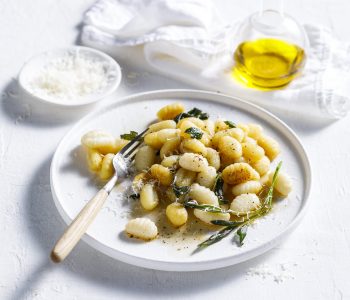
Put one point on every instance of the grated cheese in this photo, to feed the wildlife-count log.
(279, 272)
(70, 78)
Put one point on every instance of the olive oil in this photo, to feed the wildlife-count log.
(267, 63)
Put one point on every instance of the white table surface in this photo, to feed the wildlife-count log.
(30, 224)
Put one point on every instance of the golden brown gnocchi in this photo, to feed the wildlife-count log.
(189, 163)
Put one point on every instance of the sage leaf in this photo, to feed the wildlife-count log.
(129, 136)
(195, 133)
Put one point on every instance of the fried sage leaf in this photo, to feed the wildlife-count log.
(230, 124)
(194, 112)
(129, 136)
(180, 190)
(218, 189)
(195, 133)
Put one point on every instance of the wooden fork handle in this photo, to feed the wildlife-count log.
(78, 227)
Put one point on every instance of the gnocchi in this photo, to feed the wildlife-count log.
(171, 161)
(203, 195)
(170, 147)
(230, 146)
(271, 146)
(141, 228)
(194, 146)
(107, 169)
(176, 214)
(238, 173)
(213, 158)
(184, 177)
(245, 203)
(207, 177)
(167, 124)
(161, 174)
(94, 159)
(102, 142)
(148, 197)
(283, 183)
(145, 157)
(248, 187)
(170, 111)
(193, 162)
(213, 171)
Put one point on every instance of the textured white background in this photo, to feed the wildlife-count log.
(30, 224)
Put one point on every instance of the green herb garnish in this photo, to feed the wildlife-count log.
(204, 207)
(197, 113)
(230, 124)
(219, 189)
(194, 112)
(242, 226)
(216, 237)
(194, 132)
(241, 234)
(180, 190)
(129, 136)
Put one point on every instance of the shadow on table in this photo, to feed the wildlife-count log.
(21, 108)
(45, 225)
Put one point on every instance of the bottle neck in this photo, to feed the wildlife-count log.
(272, 5)
(270, 17)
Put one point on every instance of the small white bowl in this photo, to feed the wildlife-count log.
(31, 69)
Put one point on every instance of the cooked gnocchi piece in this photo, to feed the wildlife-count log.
(248, 187)
(171, 162)
(176, 214)
(262, 166)
(170, 111)
(207, 177)
(236, 133)
(203, 195)
(213, 158)
(167, 124)
(94, 159)
(107, 169)
(283, 183)
(170, 147)
(100, 141)
(145, 158)
(230, 147)
(193, 162)
(194, 146)
(149, 197)
(244, 204)
(252, 152)
(184, 177)
(142, 228)
(271, 146)
(161, 174)
(191, 165)
(254, 131)
(238, 173)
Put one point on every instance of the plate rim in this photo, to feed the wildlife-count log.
(199, 265)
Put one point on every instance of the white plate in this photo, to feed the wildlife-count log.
(32, 68)
(72, 185)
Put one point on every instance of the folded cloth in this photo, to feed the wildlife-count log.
(187, 40)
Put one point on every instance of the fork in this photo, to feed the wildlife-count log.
(82, 221)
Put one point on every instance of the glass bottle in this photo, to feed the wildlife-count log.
(270, 49)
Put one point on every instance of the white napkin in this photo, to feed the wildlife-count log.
(186, 40)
